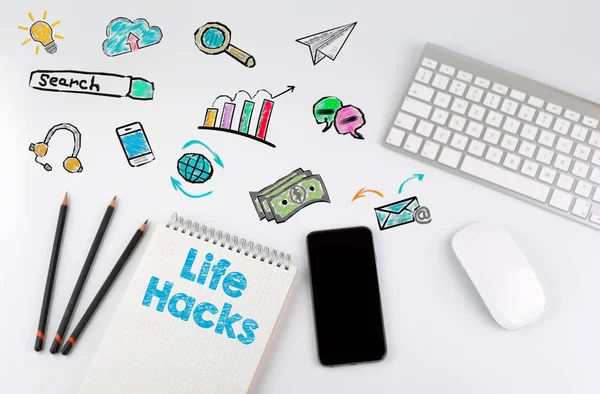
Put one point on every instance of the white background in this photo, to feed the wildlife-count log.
(440, 336)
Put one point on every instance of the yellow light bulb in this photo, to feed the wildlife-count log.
(42, 32)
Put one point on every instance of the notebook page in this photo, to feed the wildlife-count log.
(204, 343)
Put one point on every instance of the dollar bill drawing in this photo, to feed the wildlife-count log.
(288, 195)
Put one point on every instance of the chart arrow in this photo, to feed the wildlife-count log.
(132, 41)
(415, 176)
(361, 193)
(215, 156)
(177, 186)
(290, 88)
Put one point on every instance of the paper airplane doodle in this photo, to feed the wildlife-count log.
(327, 43)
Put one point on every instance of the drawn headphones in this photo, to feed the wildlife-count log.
(71, 163)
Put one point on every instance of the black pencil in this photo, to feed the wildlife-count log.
(87, 316)
(60, 226)
(85, 270)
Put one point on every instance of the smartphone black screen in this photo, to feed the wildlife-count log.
(346, 299)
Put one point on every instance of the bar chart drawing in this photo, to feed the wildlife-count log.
(243, 115)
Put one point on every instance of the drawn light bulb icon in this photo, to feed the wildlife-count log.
(42, 32)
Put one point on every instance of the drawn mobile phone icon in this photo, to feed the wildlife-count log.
(135, 144)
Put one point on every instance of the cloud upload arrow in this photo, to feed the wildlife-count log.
(132, 41)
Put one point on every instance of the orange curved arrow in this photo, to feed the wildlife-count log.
(361, 193)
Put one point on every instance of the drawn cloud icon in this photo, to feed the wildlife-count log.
(125, 36)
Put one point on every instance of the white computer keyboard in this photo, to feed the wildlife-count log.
(503, 130)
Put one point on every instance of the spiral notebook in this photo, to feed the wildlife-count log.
(196, 318)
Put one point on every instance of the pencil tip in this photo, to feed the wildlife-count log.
(146, 222)
(66, 199)
(144, 225)
(113, 202)
(115, 197)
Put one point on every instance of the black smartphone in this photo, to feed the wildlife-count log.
(346, 299)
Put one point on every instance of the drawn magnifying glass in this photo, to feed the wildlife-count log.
(214, 38)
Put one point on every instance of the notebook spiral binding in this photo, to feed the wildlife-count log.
(224, 240)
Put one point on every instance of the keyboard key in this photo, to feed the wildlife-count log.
(511, 161)
(432, 64)
(505, 178)
(440, 81)
(448, 70)
(517, 95)
(476, 148)
(547, 138)
(439, 116)
(416, 107)
(482, 82)
(423, 75)
(442, 100)
(494, 155)
(511, 125)
(509, 142)
(572, 115)
(595, 175)
(544, 120)
(562, 163)
(459, 141)
(442, 135)
(476, 112)
(494, 118)
(457, 87)
(582, 152)
(581, 208)
(547, 175)
(464, 76)
(449, 157)
(457, 123)
(595, 139)
(492, 136)
(579, 133)
(413, 143)
(583, 189)
(581, 169)
(405, 121)
(530, 168)
(544, 156)
(529, 132)
(561, 200)
(595, 218)
(499, 88)
(421, 92)
(596, 158)
(591, 122)
(459, 106)
(475, 129)
(430, 150)
(527, 149)
(564, 145)
(474, 94)
(424, 128)
(509, 107)
(565, 182)
(536, 102)
(491, 100)
(553, 108)
(395, 137)
(596, 196)
(526, 113)
(562, 126)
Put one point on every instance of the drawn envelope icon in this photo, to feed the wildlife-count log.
(397, 213)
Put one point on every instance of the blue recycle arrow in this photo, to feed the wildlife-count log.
(177, 186)
(417, 176)
(215, 156)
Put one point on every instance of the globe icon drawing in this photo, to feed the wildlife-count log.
(194, 168)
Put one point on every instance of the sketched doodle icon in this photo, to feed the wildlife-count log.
(422, 215)
(215, 38)
(42, 33)
(71, 163)
(125, 36)
(327, 43)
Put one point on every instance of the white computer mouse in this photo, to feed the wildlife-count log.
(501, 273)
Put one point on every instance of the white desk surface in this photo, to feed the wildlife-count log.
(440, 337)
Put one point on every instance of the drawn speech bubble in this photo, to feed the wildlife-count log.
(325, 109)
(348, 120)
